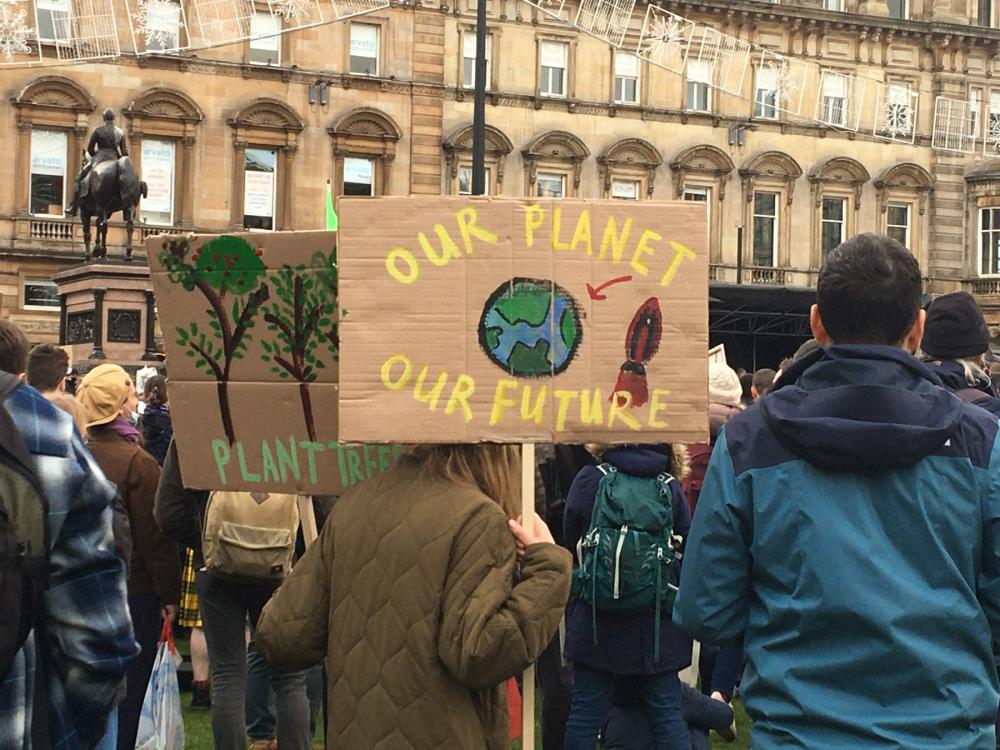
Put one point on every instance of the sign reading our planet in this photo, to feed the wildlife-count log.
(477, 319)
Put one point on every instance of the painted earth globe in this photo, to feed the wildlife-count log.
(530, 328)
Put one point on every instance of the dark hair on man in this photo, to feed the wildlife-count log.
(155, 391)
(763, 380)
(13, 348)
(47, 366)
(869, 291)
(746, 381)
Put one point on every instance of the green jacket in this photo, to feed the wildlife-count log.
(409, 595)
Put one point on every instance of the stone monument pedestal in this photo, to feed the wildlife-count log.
(107, 314)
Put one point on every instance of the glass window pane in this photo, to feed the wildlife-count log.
(763, 241)
(765, 203)
(626, 64)
(265, 39)
(554, 54)
(625, 189)
(898, 234)
(40, 293)
(832, 236)
(48, 171)
(833, 209)
(550, 186)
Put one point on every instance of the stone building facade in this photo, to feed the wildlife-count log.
(248, 135)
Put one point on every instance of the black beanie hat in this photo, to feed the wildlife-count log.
(955, 328)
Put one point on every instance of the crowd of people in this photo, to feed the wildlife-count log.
(831, 554)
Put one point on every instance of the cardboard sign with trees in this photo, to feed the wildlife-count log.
(250, 323)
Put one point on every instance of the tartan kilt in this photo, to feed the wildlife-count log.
(189, 615)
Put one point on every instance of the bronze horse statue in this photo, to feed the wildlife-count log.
(112, 186)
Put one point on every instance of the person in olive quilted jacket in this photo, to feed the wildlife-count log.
(409, 595)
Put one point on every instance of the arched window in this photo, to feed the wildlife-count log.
(553, 164)
(902, 203)
(458, 157)
(162, 125)
(701, 173)
(265, 139)
(768, 179)
(364, 147)
(628, 169)
(52, 131)
(837, 183)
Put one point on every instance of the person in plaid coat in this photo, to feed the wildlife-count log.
(87, 640)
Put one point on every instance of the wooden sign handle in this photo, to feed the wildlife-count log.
(528, 517)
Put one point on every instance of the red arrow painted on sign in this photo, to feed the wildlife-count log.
(595, 294)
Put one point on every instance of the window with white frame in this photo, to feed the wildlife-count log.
(989, 232)
(993, 117)
(48, 171)
(54, 20)
(626, 78)
(832, 232)
(975, 110)
(364, 49)
(550, 185)
(765, 229)
(833, 5)
(699, 74)
(766, 97)
(625, 189)
(163, 24)
(265, 39)
(834, 99)
(469, 59)
(898, 9)
(700, 195)
(359, 176)
(465, 180)
(40, 294)
(260, 170)
(897, 222)
(553, 68)
(158, 173)
(984, 16)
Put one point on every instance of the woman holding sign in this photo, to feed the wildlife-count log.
(409, 595)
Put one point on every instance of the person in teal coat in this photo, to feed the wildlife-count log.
(848, 534)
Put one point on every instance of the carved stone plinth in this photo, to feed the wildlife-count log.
(108, 314)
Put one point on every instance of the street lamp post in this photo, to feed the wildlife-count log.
(479, 105)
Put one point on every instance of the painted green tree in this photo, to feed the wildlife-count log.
(303, 319)
(230, 273)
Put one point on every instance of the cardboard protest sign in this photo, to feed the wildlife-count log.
(250, 326)
(473, 319)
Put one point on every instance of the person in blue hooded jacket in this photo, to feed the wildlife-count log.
(625, 644)
(848, 533)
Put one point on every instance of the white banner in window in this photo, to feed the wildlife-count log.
(158, 174)
(554, 54)
(358, 171)
(364, 40)
(48, 152)
(258, 194)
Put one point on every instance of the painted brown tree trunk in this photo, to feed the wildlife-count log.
(222, 386)
(307, 410)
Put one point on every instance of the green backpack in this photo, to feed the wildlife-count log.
(628, 557)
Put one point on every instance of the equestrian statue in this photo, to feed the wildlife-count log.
(107, 183)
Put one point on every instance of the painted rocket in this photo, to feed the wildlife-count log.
(642, 341)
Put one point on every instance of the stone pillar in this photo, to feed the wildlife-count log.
(286, 184)
(150, 353)
(185, 193)
(63, 319)
(874, 8)
(239, 175)
(22, 166)
(98, 352)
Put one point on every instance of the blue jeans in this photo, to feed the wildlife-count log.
(661, 694)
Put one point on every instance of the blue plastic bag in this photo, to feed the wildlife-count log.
(161, 725)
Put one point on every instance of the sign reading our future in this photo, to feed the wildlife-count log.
(473, 319)
(250, 325)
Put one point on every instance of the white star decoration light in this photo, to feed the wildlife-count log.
(14, 31)
(158, 22)
(665, 39)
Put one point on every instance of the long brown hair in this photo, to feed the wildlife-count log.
(492, 468)
(155, 391)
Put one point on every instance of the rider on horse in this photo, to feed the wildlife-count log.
(107, 143)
